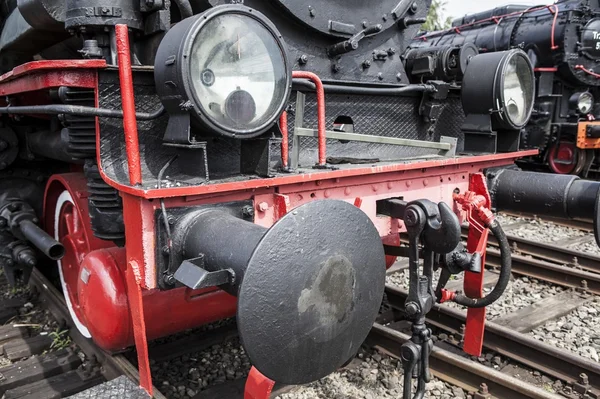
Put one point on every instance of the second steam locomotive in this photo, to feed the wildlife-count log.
(562, 41)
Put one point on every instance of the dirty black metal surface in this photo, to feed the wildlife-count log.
(120, 387)
(303, 313)
(187, 169)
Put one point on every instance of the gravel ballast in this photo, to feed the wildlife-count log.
(577, 332)
(371, 376)
(543, 231)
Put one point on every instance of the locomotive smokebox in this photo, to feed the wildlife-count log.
(309, 288)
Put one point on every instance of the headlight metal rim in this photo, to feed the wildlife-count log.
(184, 60)
(499, 88)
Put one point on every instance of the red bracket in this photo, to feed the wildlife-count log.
(258, 386)
(476, 202)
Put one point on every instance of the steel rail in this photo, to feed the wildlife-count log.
(548, 252)
(538, 355)
(113, 366)
(459, 371)
(572, 223)
(556, 274)
(564, 276)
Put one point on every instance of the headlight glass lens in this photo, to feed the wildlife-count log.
(238, 72)
(518, 90)
(585, 103)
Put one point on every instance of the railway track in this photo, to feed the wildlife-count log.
(482, 381)
(38, 372)
(571, 223)
(551, 262)
(508, 335)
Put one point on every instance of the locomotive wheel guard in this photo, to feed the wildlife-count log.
(561, 153)
(66, 218)
(69, 230)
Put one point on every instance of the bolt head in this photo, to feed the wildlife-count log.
(169, 279)
(248, 211)
(262, 207)
(411, 308)
(411, 218)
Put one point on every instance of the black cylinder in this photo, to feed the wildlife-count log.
(42, 240)
(227, 242)
(543, 194)
(50, 145)
(583, 198)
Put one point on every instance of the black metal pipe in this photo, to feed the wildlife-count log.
(42, 240)
(227, 242)
(505, 273)
(540, 193)
(305, 85)
(583, 198)
(80, 110)
(185, 8)
(546, 194)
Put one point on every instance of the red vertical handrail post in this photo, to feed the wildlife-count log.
(132, 144)
(283, 126)
(553, 10)
(257, 385)
(320, 111)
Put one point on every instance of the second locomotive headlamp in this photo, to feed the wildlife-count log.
(498, 91)
(583, 102)
(500, 85)
(225, 71)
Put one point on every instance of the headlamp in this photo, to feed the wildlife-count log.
(582, 102)
(227, 69)
(500, 85)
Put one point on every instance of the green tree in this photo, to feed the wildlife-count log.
(435, 18)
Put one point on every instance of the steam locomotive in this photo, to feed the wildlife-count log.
(187, 161)
(562, 41)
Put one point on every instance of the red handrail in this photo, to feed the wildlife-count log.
(132, 145)
(283, 126)
(320, 111)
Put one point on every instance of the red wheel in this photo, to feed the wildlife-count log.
(70, 230)
(565, 158)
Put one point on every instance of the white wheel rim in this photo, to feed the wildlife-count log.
(65, 198)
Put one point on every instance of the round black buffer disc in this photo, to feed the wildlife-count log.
(311, 292)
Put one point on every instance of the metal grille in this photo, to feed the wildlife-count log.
(378, 116)
(154, 155)
(121, 387)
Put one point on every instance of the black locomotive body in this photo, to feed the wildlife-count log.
(563, 42)
(187, 161)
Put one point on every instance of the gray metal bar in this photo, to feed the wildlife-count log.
(373, 139)
(298, 123)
